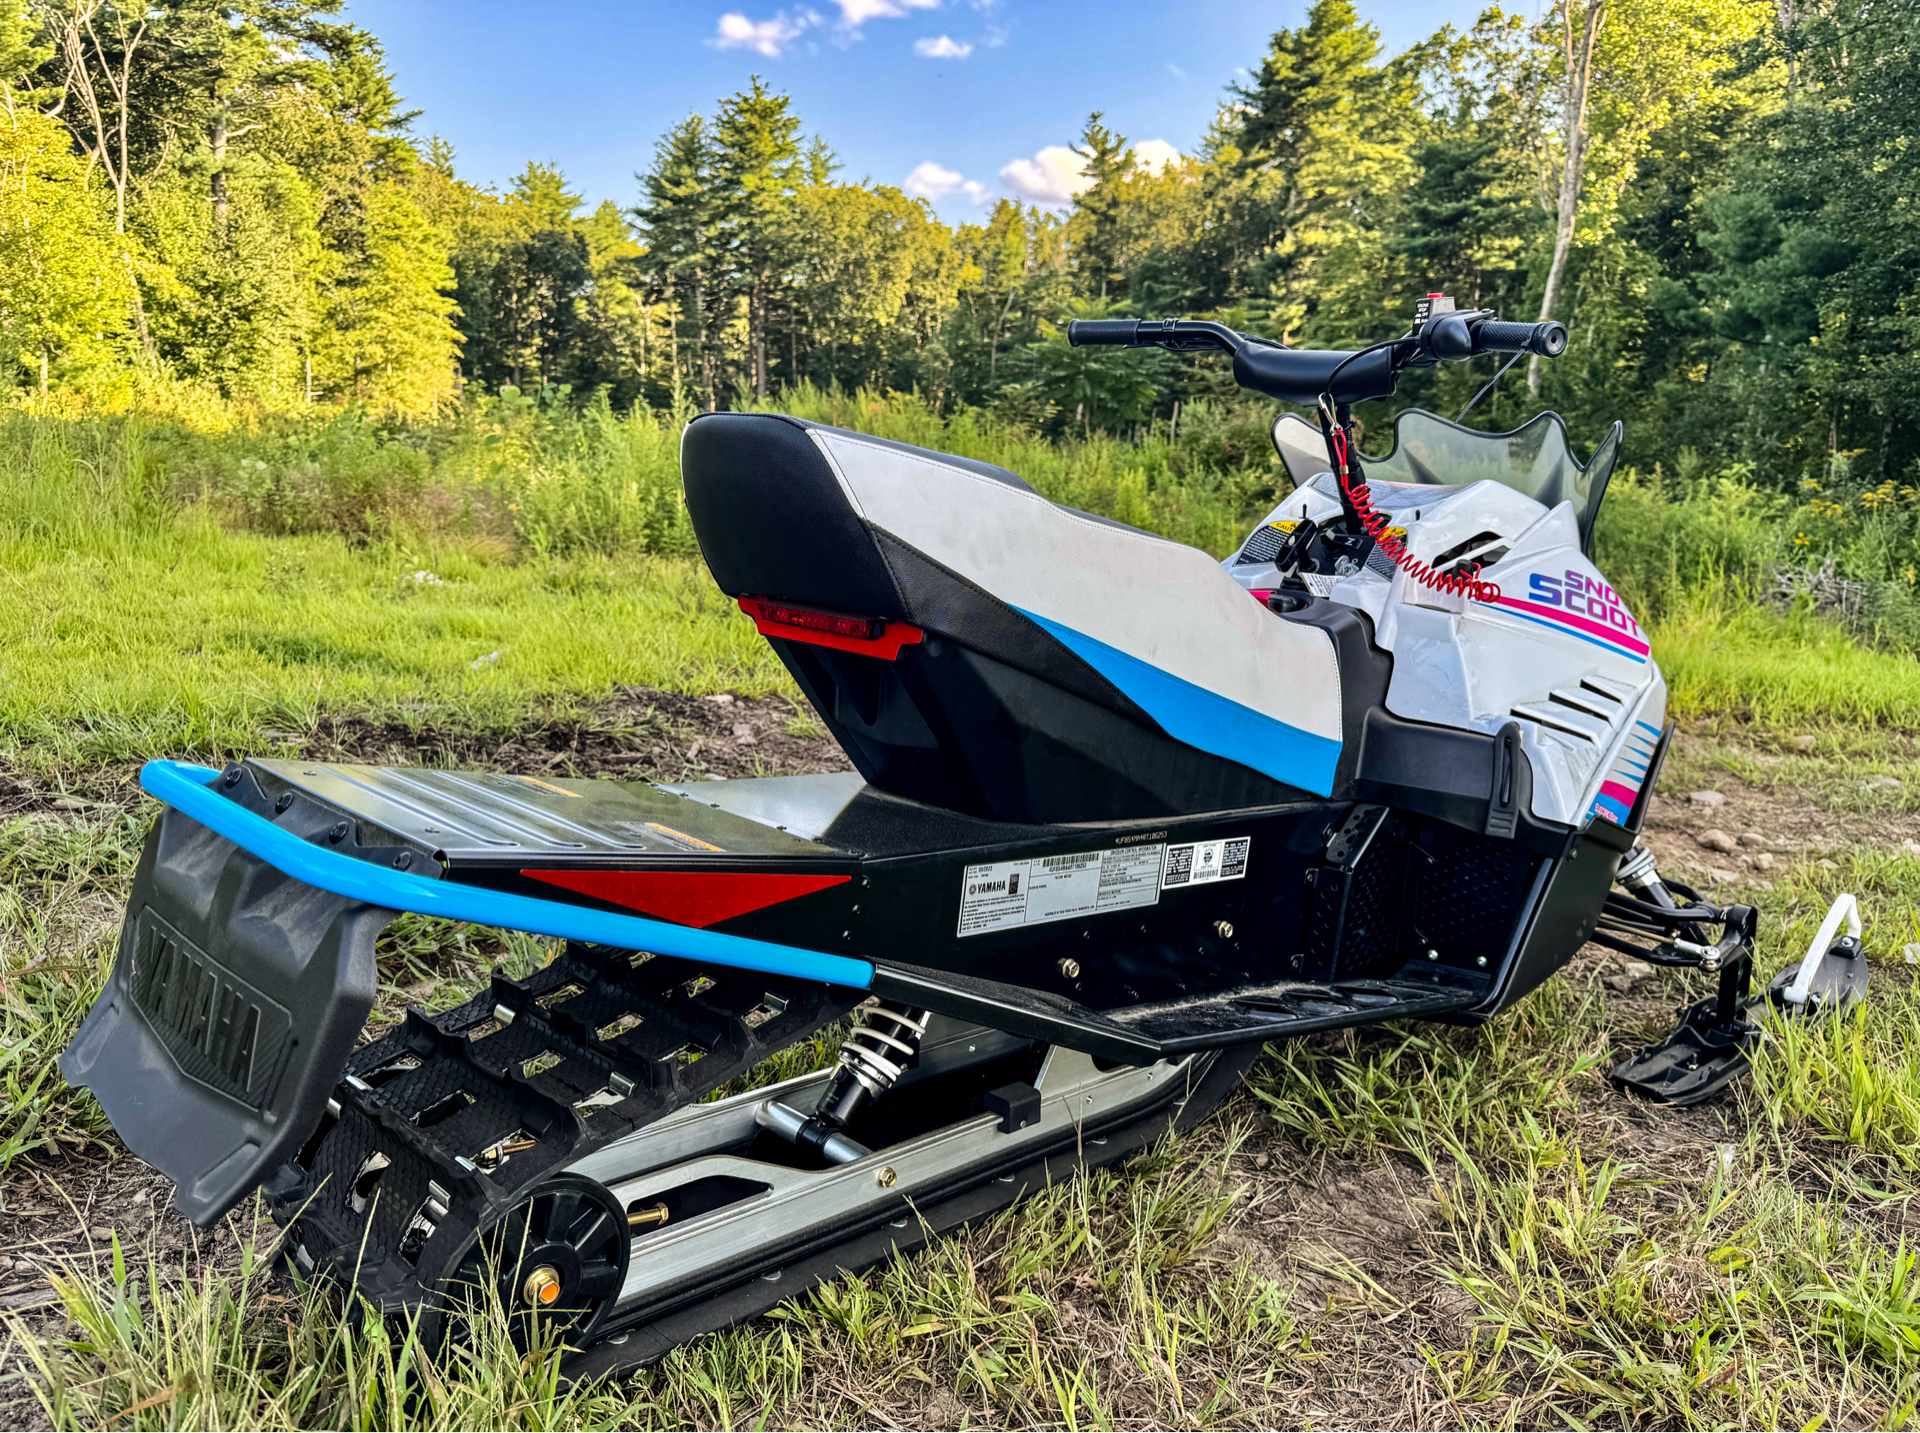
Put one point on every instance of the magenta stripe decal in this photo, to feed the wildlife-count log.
(1584, 624)
(1623, 794)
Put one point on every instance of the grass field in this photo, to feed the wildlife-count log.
(1411, 1226)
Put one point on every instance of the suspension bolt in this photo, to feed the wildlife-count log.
(1481, 961)
(542, 1287)
(1223, 929)
(1433, 955)
(1069, 967)
(886, 1178)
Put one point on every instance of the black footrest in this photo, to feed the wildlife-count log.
(1288, 1008)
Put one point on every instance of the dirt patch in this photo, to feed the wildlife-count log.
(640, 733)
(91, 792)
(62, 1215)
(1769, 824)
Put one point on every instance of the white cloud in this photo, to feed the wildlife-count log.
(943, 48)
(1052, 177)
(1153, 155)
(1176, 72)
(933, 181)
(1056, 174)
(766, 37)
(855, 13)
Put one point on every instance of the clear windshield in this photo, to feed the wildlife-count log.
(1534, 458)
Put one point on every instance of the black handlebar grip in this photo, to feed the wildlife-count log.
(1119, 331)
(1548, 339)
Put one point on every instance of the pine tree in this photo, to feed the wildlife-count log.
(1322, 152)
(1098, 210)
(681, 217)
(755, 171)
(393, 341)
(540, 191)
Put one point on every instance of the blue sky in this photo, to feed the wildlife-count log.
(960, 100)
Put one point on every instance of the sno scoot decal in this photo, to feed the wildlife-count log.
(1205, 719)
(1582, 607)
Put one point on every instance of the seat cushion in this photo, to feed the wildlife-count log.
(819, 515)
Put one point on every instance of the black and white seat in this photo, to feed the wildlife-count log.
(1073, 668)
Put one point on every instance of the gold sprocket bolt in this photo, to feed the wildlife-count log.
(542, 1287)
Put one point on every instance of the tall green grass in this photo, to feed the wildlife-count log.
(170, 586)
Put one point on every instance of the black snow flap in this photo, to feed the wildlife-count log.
(234, 1003)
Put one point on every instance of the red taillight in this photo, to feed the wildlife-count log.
(861, 629)
(869, 636)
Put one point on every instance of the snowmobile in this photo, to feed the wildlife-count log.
(1122, 815)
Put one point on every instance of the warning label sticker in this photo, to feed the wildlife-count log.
(1006, 894)
(1205, 861)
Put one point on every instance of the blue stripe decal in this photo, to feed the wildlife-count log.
(1639, 766)
(1614, 806)
(187, 789)
(1207, 720)
(1565, 631)
(1648, 725)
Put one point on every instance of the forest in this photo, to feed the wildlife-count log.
(224, 202)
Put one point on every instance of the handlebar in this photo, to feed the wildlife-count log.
(1083, 331)
(1548, 339)
(1299, 375)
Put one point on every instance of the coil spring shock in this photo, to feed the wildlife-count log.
(874, 1056)
(1360, 497)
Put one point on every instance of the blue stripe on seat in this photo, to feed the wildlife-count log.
(1206, 720)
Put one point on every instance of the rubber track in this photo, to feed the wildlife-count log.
(636, 1036)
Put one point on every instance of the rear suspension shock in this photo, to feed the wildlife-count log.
(873, 1058)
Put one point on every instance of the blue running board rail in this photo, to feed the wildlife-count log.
(189, 790)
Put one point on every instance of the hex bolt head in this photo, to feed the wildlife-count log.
(1481, 961)
(1070, 967)
(1433, 955)
(337, 832)
(1223, 929)
(542, 1286)
(886, 1178)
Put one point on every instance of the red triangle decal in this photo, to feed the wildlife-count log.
(695, 898)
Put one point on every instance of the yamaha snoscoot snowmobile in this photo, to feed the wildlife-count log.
(1123, 814)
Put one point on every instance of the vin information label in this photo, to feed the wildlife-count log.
(1053, 888)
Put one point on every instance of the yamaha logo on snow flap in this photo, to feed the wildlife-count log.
(223, 1032)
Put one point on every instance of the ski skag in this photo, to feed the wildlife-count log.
(1121, 815)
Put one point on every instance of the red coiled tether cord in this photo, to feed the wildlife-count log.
(1455, 584)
